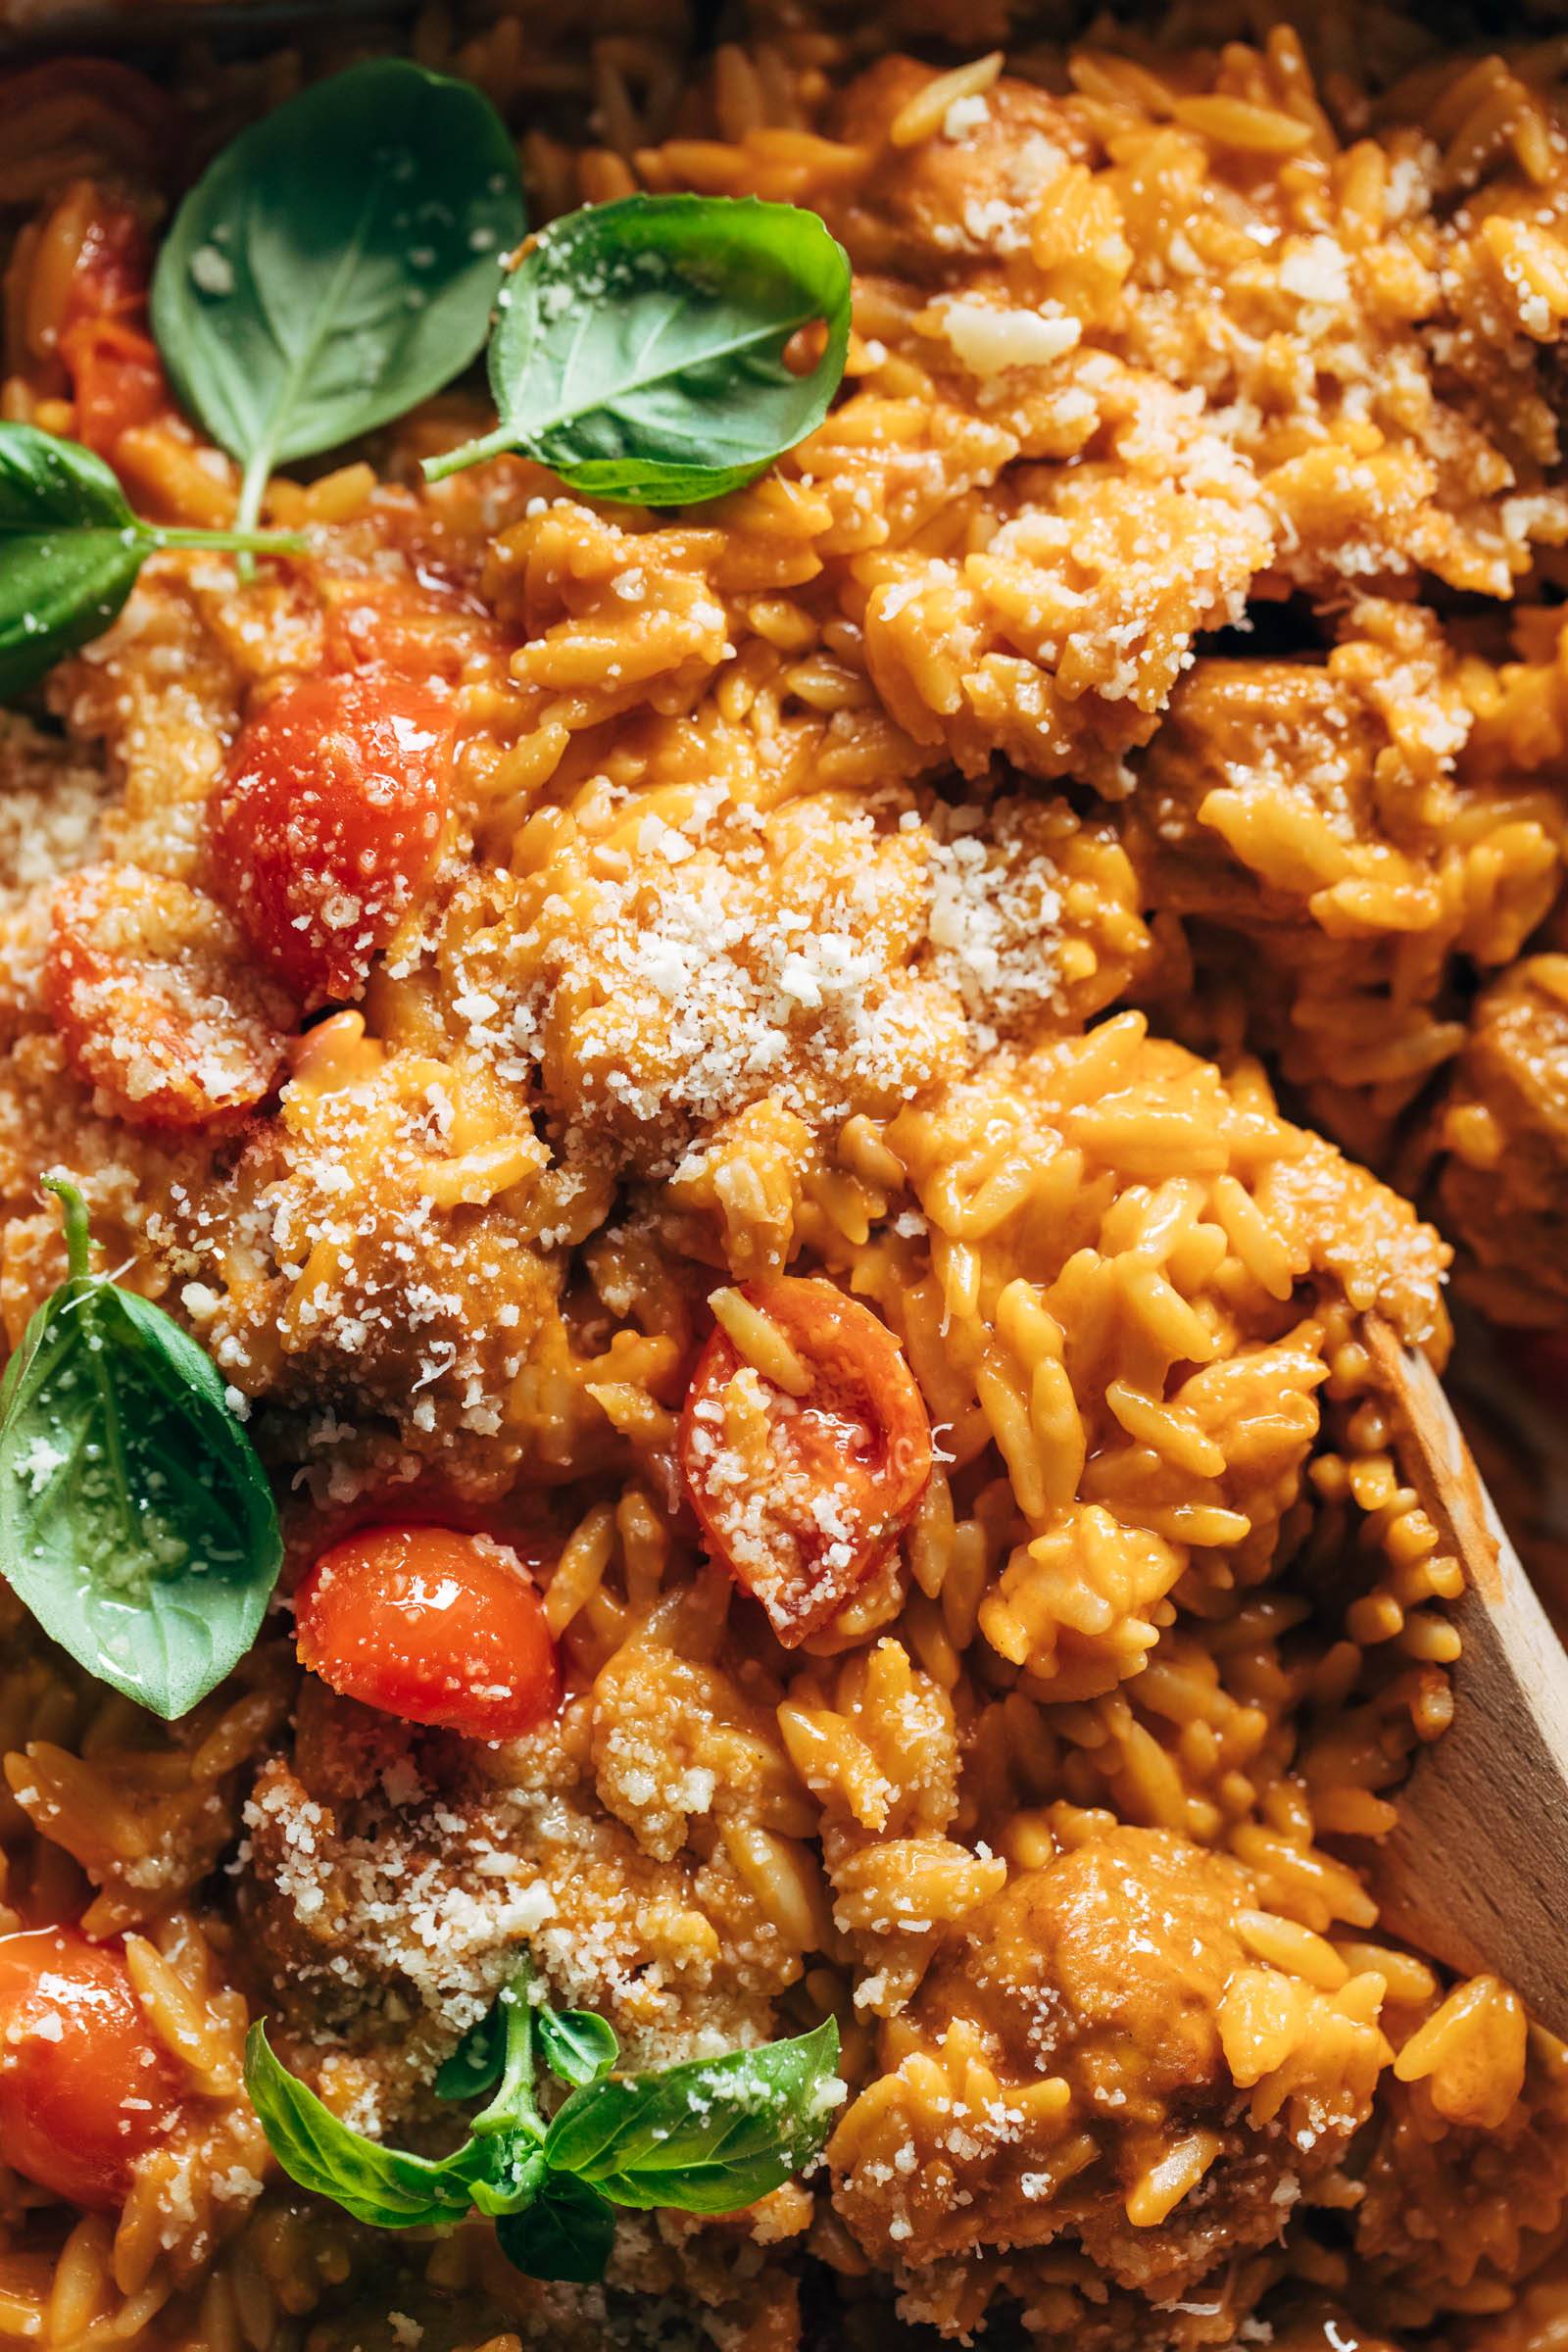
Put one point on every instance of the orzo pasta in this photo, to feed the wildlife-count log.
(767, 1122)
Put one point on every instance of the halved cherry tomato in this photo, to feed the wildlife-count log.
(433, 1625)
(157, 1001)
(86, 2087)
(802, 1497)
(330, 820)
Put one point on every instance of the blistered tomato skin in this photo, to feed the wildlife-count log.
(432, 1625)
(330, 823)
(86, 2087)
(801, 1498)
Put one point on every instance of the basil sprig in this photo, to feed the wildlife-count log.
(708, 2136)
(70, 549)
(136, 1522)
(338, 263)
(640, 353)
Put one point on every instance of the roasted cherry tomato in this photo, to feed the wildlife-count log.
(116, 377)
(330, 820)
(157, 1001)
(86, 2087)
(114, 265)
(433, 1625)
(801, 1496)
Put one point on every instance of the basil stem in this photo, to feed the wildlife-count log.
(513, 2107)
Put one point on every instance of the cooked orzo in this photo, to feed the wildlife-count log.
(699, 1111)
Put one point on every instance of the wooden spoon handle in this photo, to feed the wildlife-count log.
(1476, 1872)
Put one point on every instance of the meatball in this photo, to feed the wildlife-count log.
(1076, 2065)
(1504, 1188)
(396, 1873)
(938, 205)
(1339, 871)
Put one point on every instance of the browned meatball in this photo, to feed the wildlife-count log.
(1076, 2065)
(939, 204)
(1337, 876)
(1504, 1188)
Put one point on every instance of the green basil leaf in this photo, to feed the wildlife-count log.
(375, 2184)
(707, 2137)
(640, 353)
(136, 1522)
(576, 2045)
(337, 262)
(474, 2066)
(567, 2233)
(69, 551)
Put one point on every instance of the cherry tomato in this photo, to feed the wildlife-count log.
(117, 378)
(85, 2087)
(433, 1625)
(112, 268)
(802, 1497)
(330, 820)
(156, 999)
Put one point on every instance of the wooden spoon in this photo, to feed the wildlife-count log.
(1476, 1872)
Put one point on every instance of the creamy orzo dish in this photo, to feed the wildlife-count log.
(710, 1053)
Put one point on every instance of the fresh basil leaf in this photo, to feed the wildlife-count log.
(576, 2045)
(474, 2066)
(375, 2184)
(707, 2137)
(70, 549)
(136, 1522)
(337, 262)
(567, 2233)
(640, 353)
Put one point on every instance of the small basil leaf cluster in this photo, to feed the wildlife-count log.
(642, 350)
(136, 1521)
(71, 550)
(708, 2136)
